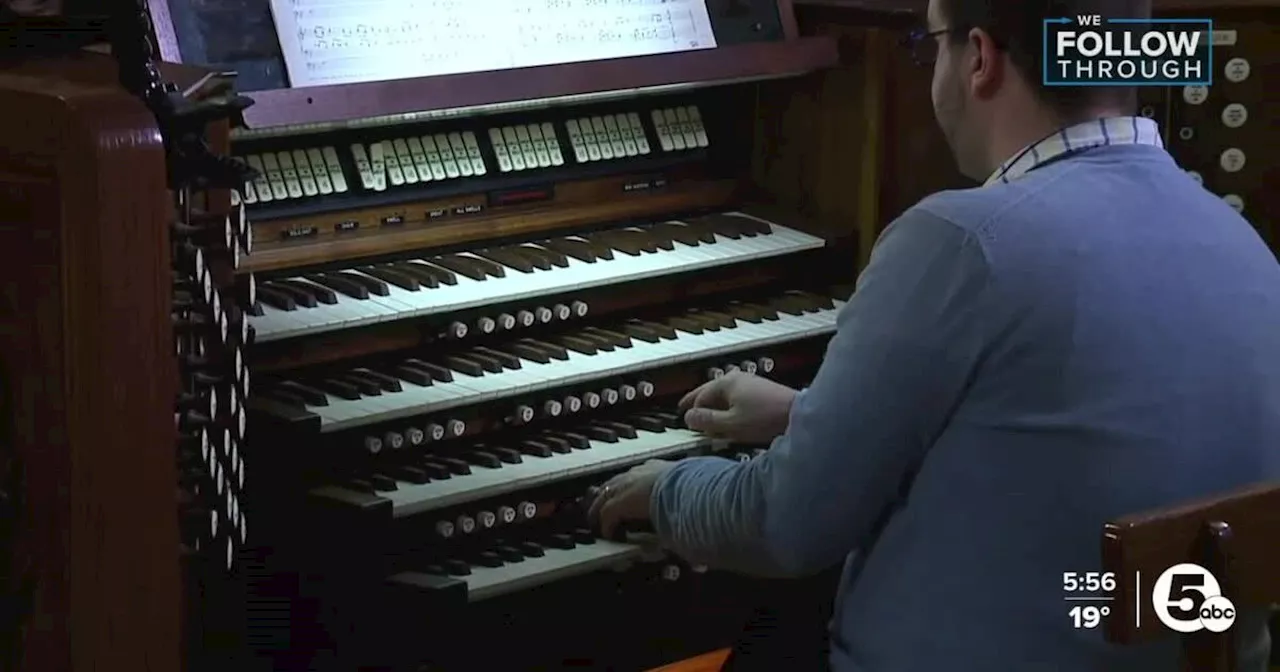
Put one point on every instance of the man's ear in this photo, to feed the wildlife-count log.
(986, 65)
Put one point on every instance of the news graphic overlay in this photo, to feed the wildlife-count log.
(1088, 596)
(1188, 598)
(1092, 50)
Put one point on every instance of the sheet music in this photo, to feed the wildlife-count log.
(327, 42)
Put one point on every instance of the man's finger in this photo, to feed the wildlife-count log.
(709, 420)
(610, 514)
(597, 503)
(688, 400)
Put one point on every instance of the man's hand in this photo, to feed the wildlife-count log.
(739, 407)
(625, 498)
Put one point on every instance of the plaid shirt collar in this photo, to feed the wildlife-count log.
(1110, 131)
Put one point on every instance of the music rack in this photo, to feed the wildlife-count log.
(791, 55)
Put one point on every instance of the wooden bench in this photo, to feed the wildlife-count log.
(1236, 537)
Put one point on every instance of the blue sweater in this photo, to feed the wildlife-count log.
(1020, 364)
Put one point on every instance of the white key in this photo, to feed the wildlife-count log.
(447, 157)
(527, 150)
(363, 166)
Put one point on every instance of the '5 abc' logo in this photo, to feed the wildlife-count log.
(1188, 598)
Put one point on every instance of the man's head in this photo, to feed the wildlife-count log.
(988, 94)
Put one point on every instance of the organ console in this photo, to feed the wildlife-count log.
(467, 263)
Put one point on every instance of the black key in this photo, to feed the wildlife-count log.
(508, 360)
(340, 389)
(552, 350)
(388, 383)
(578, 344)
(754, 226)
(507, 455)
(686, 325)
(556, 443)
(438, 372)
(600, 433)
(441, 275)
(366, 386)
(490, 364)
(306, 294)
(723, 320)
(507, 258)
(462, 266)
(648, 423)
(676, 232)
(488, 559)
(563, 542)
(618, 339)
(339, 283)
(388, 274)
(597, 341)
(622, 429)
(575, 439)
(414, 375)
(373, 285)
(456, 568)
(436, 470)
(673, 420)
(462, 365)
(509, 553)
(535, 448)
(277, 299)
(552, 257)
(642, 332)
(483, 459)
(584, 536)
(536, 257)
(310, 395)
(578, 249)
(408, 474)
(531, 549)
(383, 483)
(456, 466)
(530, 353)
(490, 268)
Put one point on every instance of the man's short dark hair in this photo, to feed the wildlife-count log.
(1017, 27)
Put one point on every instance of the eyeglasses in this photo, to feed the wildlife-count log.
(924, 44)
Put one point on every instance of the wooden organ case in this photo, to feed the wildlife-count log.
(475, 295)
